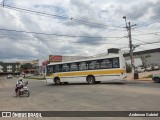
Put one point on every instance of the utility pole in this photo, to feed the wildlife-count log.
(131, 48)
(128, 27)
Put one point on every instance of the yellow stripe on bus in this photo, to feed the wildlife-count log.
(85, 73)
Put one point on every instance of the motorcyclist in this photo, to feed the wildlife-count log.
(19, 84)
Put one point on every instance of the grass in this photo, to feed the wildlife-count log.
(149, 76)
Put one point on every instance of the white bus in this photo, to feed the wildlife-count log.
(109, 67)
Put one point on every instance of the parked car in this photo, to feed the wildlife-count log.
(156, 67)
(156, 78)
(149, 69)
(140, 69)
(9, 76)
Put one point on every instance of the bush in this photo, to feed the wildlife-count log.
(149, 76)
(128, 68)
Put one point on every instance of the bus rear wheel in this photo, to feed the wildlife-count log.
(91, 79)
(57, 81)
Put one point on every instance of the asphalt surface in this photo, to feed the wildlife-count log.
(126, 96)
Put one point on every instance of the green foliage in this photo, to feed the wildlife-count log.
(26, 66)
(149, 76)
(128, 68)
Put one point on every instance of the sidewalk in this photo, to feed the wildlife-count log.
(142, 76)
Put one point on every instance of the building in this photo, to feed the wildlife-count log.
(9, 68)
(150, 57)
(29, 67)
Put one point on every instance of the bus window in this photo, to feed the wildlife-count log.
(74, 67)
(109, 63)
(65, 67)
(49, 69)
(57, 68)
(115, 62)
(94, 65)
(103, 64)
(82, 66)
(106, 63)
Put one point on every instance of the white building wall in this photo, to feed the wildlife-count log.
(154, 59)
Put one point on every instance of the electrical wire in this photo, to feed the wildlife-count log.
(58, 16)
(154, 33)
(53, 34)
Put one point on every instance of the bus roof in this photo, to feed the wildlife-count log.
(89, 58)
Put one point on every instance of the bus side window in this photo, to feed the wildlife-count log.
(83, 66)
(57, 68)
(93, 65)
(97, 64)
(54, 69)
(109, 63)
(106, 63)
(116, 63)
(74, 66)
(48, 70)
(65, 68)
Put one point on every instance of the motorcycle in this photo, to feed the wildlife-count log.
(23, 91)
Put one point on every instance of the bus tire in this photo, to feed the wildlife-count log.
(90, 79)
(57, 80)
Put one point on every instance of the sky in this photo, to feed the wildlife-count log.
(35, 29)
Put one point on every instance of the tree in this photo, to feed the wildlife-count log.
(26, 67)
(128, 68)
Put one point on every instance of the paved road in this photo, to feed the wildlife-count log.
(129, 96)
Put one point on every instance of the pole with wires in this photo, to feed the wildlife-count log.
(131, 48)
(128, 27)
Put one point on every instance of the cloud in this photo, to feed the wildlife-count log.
(102, 16)
(156, 11)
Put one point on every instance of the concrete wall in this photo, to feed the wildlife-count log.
(153, 59)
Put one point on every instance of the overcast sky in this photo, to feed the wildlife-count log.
(75, 27)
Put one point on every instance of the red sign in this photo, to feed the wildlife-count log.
(55, 58)
(45, 63)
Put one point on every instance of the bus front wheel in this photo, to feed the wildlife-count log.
(90, 79)
(57, 81)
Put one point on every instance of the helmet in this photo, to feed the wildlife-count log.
(20, 78)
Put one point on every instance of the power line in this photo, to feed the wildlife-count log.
(100, 43)
(53, 34)
(150, 43)
(154, 33)
(47, 39)
(146, 24)
(58, 16)
(139, 40)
